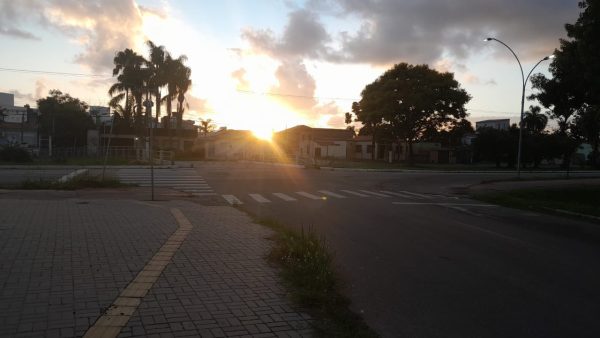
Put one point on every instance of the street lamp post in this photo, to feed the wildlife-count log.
(524, 83)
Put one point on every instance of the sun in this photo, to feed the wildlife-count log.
(263, 134)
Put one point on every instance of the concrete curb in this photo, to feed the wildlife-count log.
(72, 175)
(290, 165)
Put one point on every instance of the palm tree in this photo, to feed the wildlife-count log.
(534, 121)
(130, 81)
(206, 126)
(183, 84)
(157, 66)
(172, 67)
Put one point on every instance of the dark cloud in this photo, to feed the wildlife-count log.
(17, 33)
(304, 36)
(101, 26)
(422, 31)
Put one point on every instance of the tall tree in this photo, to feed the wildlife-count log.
(157, 67)
(412, 99)
(173, 73)
(130, 82)
(534, 121)
(183, 83)
(65, 118)
(573, 90)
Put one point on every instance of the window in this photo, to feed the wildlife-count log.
(369, 149)
(358, 148)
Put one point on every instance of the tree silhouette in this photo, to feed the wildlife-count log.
(534, 121)
(410, 100)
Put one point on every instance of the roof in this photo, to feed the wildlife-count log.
(494, 121)
(229, 134)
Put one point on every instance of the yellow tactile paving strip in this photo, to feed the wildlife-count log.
(119, 312)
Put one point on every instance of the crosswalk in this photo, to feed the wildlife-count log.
(264, 198)
(181, 179)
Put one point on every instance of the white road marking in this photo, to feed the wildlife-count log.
(355, 193)
(259, 198)
(284, 197)
(414, 194)
(332, 194)
(307, 195)
(397, 194)
(445, 204)
(374, 193)
(232, 199)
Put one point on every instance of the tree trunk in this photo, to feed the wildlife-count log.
(410, 152)
(168, 123)
(158, 98)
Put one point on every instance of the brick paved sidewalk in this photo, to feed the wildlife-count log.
(63, 263)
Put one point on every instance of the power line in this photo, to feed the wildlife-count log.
(32, 71)
(16, 70)
(297, 96)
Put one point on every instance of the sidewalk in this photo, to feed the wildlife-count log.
(64, 261)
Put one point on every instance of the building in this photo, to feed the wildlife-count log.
(500, 124)
(18, 125)
(229, 144)
(304, 143)
(100, 115)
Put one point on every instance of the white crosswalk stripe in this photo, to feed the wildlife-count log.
(259, 198)
(374, 193)
(308, 195)
(232, 199)
(285, 197)
(185, 180)
(393, 193)
(350, 192)
(414, 194)
(330, 193)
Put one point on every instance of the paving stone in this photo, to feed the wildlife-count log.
(63, 263)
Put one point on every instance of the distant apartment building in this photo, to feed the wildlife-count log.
(500, 124)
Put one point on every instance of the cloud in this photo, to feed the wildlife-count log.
(40, 88)
(15, 32)
(239, 76)
(101, 27)
(160, 13)
(196, 104)
(23, 96)
(296, 86)
(12, 13)
(423, 31)
(303, 36)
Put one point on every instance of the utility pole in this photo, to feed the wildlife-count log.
(148, 104)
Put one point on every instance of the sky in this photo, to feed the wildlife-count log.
(265, 65)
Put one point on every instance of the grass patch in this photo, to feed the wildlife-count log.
(581, 200)
(79, 182)
(308, 274)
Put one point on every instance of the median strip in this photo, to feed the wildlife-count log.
(121, 310)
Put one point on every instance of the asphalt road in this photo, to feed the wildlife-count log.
(425, 261)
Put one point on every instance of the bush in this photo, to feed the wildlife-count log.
(14, 154)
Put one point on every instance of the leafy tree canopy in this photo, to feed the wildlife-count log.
(65, 118)
(410, 100)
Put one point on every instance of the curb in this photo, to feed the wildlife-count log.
(72, 175)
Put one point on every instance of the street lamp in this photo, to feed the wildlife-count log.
(524, 79)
